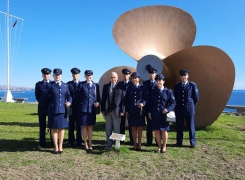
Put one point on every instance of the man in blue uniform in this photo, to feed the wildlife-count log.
(123, 86)
(186, 96)
(41, 97)
(150, 84)
(73, 119)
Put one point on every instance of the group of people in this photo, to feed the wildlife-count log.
(144, 104)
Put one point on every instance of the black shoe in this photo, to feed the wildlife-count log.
(158, 150)
(71, 145)
(177, 145)
(55, 152)
(60, 152)
(192, 146)
(162, 151)
(40, 147)
(107, 148)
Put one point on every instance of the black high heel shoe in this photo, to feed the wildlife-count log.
(60, 152)
(55, 152)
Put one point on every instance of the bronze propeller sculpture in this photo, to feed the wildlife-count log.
(162, 37)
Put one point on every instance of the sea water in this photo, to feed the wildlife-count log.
(237, 97)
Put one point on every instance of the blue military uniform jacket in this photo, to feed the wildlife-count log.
(186, 97)
(135, 96)
(73, 87)
(87, 96)
(41, 91)
(150, 86)
(123, 86)
(58, 96)
(160, 100)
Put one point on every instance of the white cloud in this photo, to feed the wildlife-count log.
(239, 85)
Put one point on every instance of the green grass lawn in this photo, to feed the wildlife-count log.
(220, 152)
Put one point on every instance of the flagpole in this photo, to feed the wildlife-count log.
(8, 89)
(8, 95)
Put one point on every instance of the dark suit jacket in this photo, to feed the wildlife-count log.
(117, 96)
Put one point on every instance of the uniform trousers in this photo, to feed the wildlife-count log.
(73, 122)
(111, 121)
(149, 134)
(42, 130)
(122, 128)
(190, 122)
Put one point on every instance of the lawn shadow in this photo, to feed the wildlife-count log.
(174, 145)
(32, 114)
(27, 144)
(24, 124)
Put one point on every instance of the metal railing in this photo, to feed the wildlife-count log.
(240, 110)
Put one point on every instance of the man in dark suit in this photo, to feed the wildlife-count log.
(41, 97)
(186, 95)
(73, 119)
(150, 84)
(123, 86)
(111, 107)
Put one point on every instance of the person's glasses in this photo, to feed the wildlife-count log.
(113, 77)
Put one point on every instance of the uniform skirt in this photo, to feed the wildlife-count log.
(57, 121)
(87, 119)
(160, 123)
(136, 120)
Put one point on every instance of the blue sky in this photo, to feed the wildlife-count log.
(78, 33)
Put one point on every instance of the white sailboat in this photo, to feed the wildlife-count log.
(8, 95)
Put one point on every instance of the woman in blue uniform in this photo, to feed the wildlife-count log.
(136, 99)
(58, 98)
(161, 102)
(89, 98)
